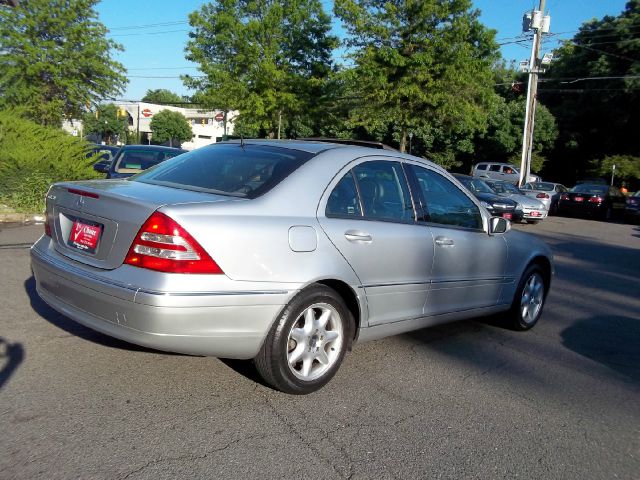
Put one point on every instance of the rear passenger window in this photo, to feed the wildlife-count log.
(481, 167)
(494, 168)
(446, 203)
(383, 191)
(343, 201)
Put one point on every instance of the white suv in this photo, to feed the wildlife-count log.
(500, 171)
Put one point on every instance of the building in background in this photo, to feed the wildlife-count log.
(208, 126)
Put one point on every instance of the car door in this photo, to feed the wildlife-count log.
(469, 264)
(368, 215)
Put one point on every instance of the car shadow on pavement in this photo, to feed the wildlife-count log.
(247, 369)
(74, 328)
(613, 341)
(11, 356)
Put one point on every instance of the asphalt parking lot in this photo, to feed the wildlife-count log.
(467, 400)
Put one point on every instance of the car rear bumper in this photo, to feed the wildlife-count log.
(584, 208)
(223, 324)
(534, 214)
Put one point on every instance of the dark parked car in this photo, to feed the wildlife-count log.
(632, 210)
(593, 200)
(495, 204)
(132, 159)
(103, 153)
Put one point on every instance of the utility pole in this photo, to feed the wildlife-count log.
(539, 23)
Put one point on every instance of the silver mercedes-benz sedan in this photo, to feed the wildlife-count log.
(285, 252)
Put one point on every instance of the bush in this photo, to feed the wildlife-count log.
(33, 156)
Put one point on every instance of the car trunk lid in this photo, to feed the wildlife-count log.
(95, 222)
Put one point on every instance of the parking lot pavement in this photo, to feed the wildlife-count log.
(468, 400)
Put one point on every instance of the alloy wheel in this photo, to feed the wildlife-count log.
(532, 298)
(315, 341)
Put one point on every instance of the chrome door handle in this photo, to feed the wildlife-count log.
(444, 242)
(357, 236)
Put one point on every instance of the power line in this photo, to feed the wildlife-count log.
(603, 52)
(568, 80)
(163, 68)
(150, 25)
(149, 33)
(164, 76)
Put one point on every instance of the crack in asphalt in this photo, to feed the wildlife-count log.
(292, 429)
(192, 457)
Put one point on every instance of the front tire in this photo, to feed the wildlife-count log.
(529, 299)
(307, 343)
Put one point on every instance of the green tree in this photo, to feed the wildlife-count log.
(600, 117)
(106, 122)
(55, 59)
(266, 58)
(163, 96)
(34, 156)
(420, 67)
(503, 139)
(627, 167)
(170, 126)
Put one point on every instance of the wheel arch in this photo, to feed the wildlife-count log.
(350, 299)
(545, 264)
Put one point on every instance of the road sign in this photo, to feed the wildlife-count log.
(219, 117)
(146, 113)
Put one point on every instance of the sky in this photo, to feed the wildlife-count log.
(154, 33)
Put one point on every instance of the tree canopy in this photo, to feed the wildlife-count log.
(55, 59)
(264, 58)
(163, 96)
(503, 139)
(593, 90)
(420, 67)
(106, 122)
(170, 126)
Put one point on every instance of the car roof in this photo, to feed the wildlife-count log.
(311, 146)
(152, 147)
(496, 163)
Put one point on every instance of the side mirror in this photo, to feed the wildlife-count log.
(499, 225)
(102, 166)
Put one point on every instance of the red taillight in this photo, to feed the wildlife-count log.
(47, 225)
(542, 195)
(596, 200)
(564, 196)
(163, 245)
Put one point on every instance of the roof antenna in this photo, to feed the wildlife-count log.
(241, 141)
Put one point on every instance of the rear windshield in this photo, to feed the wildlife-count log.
(228, 169)
(545, 187)
(592, 189)
(137, 160)
(475, 185)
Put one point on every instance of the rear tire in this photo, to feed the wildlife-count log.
(529, 299)
(307, 343)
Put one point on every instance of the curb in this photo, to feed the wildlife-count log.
(24, 218)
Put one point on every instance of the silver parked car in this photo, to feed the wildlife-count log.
(286, 252)
(533, 210)
(547, 192)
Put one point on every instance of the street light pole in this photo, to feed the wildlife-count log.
(613, 172)
(538, 22)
